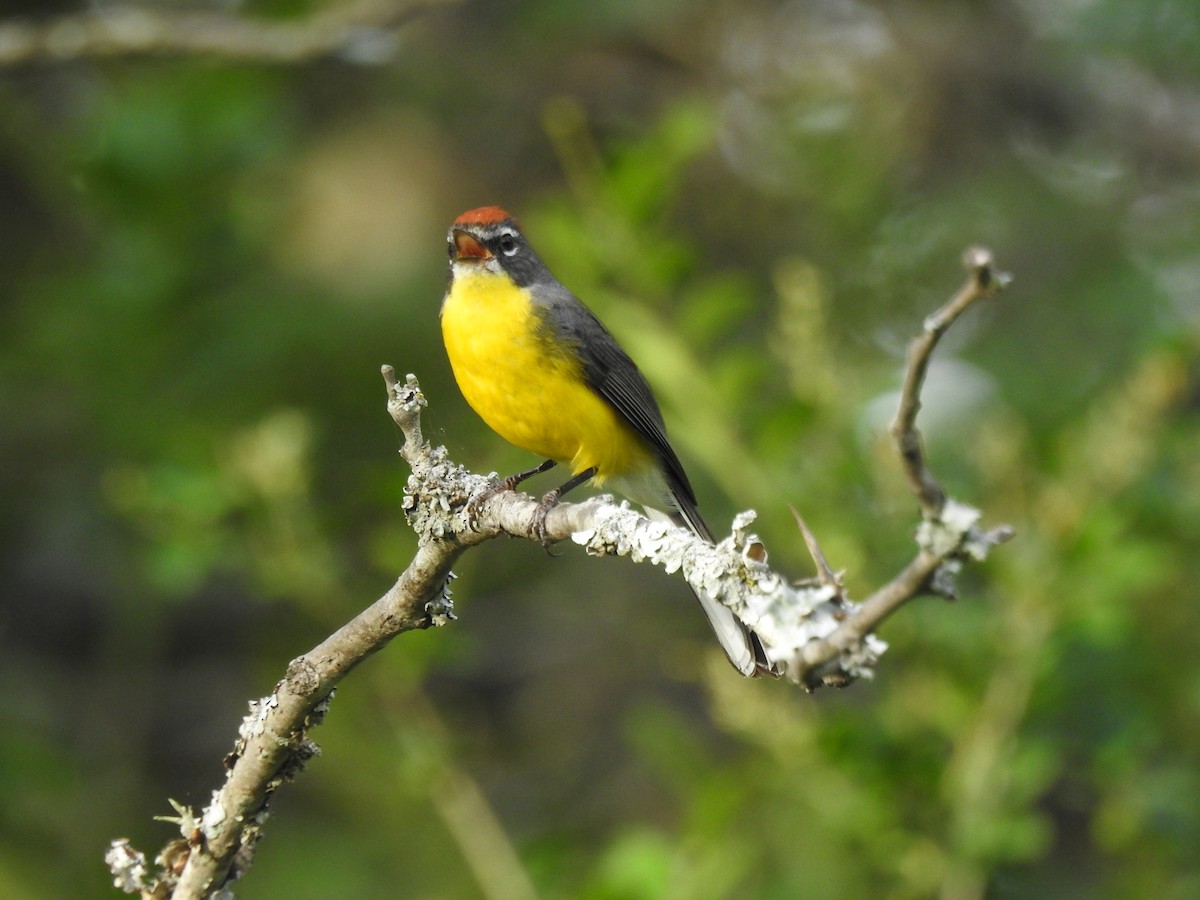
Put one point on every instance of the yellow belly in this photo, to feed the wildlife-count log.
(526, 392)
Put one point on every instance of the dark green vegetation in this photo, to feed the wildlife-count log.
(205, 262)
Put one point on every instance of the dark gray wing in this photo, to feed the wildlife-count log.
(615, 377)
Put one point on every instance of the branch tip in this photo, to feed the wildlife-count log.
(981, 264)
(977, 259)
(404, 405)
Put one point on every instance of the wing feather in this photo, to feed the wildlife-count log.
(614, 376)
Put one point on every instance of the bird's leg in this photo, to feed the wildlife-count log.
(501, 485)
(550, 500)
(510, 483)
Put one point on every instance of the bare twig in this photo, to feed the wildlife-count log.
(982, 281)
(359, 31)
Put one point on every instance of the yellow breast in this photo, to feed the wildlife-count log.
(529, 391)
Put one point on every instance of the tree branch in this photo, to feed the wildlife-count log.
(982, 281)
(359, 31)
(949, 531)
(812, 631)
(273, 745)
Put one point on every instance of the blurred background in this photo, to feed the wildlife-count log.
(208, 249)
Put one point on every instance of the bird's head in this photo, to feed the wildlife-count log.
(489, 239)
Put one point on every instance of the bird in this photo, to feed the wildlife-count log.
(545, 374)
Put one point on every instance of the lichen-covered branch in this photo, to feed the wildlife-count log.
(217, 845)
(811, 630)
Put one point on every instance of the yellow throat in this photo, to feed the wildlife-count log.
(528, 389)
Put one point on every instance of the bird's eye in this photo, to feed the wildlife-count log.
(508, 244)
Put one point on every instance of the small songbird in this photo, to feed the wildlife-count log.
(542, 371)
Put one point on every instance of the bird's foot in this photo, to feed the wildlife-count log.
(547, 503)
(474, 506)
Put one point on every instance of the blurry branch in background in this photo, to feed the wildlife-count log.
(359, 31)
(456, 797)
(812, 632)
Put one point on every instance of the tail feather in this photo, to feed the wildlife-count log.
(741, 645)
(654, 491)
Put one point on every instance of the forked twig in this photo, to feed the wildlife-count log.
(949, 532)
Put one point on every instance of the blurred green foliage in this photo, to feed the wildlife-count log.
(205, 263)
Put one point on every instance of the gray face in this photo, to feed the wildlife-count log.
(498, 247)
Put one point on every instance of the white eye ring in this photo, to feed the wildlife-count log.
(508, 244)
